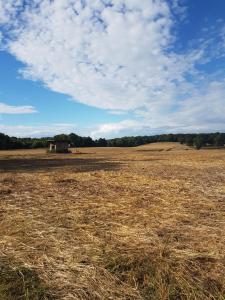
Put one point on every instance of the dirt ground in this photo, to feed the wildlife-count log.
(113, 223)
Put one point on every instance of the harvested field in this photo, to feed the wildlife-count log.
(113, 223)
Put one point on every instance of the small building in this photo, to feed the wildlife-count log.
(58, 146)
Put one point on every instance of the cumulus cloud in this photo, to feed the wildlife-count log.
(118, 55)
(14, 110)
(204, 111)
(108, 54)
(8, 10)
(106, 130)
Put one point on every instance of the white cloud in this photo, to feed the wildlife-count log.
(14, 110)
(8, 10)
(38, 130)
(119, 55)
(204, 111)
(117, 112)
(113, 129)
(179, 8)
(113, 55)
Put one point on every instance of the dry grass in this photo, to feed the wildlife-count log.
(124, 223)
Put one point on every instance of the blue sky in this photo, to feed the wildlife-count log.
(109, 68)
(50, 107)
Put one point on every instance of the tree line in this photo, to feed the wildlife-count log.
(194, 140)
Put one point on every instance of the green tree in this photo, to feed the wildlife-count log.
(5, 142)
(101, 142)
(189, 140)
(38, 144)
(75, 140)
(198, 142)
(61, 137)
(219, 140)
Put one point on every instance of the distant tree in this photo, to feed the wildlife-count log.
(198, 142)
(87, 142)
(5, 141)
(181, 138)
(38, 144)
(189, 140)
(16, 143)
(219, 140)
(210, 139)
(75, 140)
(61, 137)
(101, 142)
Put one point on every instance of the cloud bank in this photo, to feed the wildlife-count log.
(118, 55)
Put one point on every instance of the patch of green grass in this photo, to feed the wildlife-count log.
(20, 283)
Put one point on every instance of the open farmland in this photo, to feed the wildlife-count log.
(113, 223)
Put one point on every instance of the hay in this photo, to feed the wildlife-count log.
(118, 223)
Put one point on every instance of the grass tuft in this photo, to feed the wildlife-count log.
(18, 282)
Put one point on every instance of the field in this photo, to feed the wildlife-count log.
(113, 223)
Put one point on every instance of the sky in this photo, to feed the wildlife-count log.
(110, 68)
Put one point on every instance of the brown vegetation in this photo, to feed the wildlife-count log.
(113, 223)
